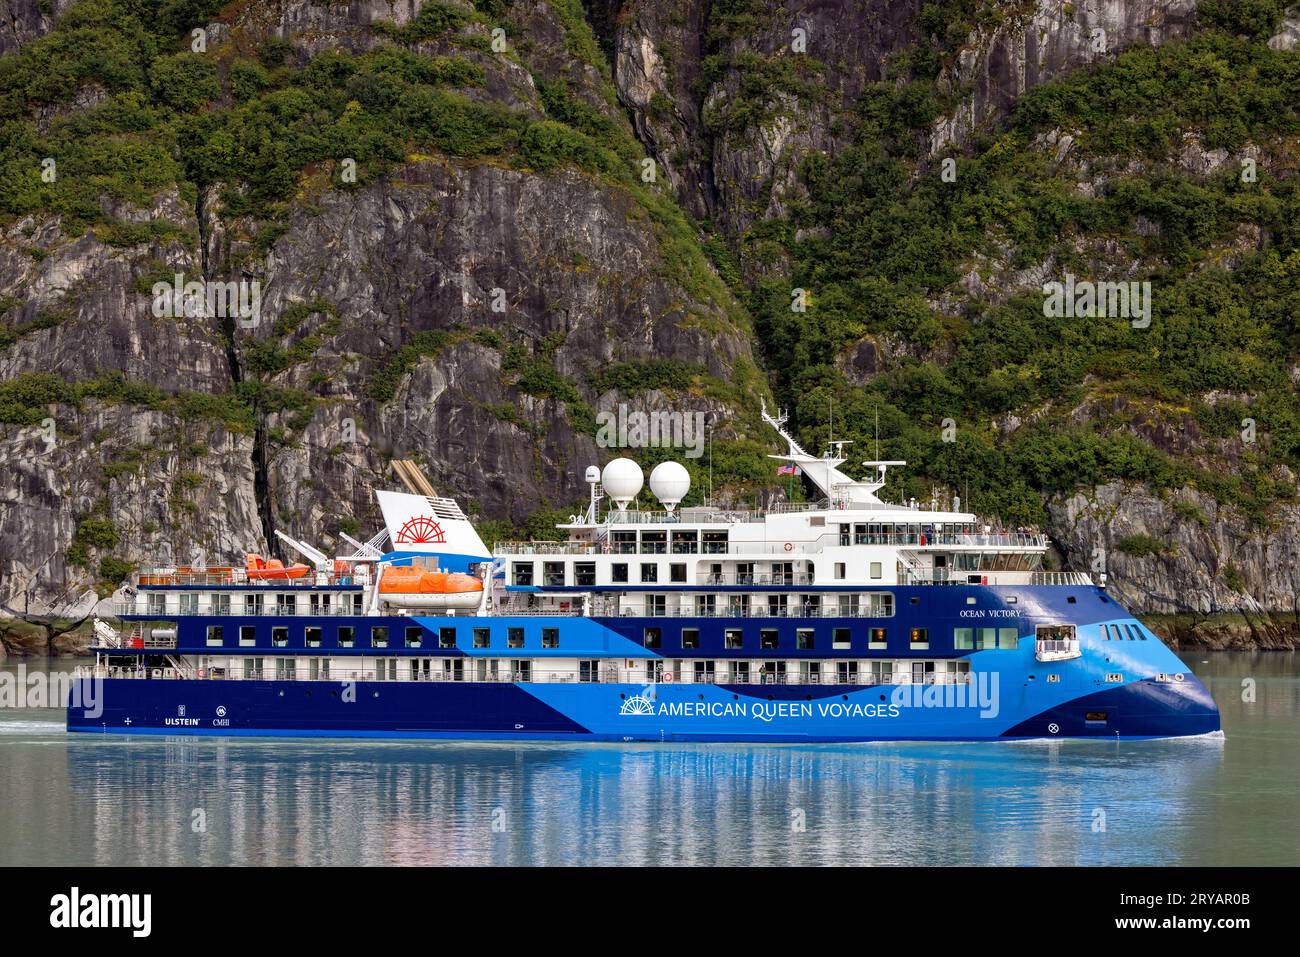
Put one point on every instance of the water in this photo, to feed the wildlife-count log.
(80, 799)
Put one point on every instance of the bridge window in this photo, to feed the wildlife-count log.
(733, 639)
(523, 573)
(690, 637)
(550, 637)
(347, 636)
(311, 637)
(767, 638)
(1008, 639)
(986, 639)
(379, 636)
(963, 639)
(514, 637)
(446, 637)
(482, 637)
(840, 638)
(214, 635)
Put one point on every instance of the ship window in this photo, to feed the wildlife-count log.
(653, 637)
(221, 604)
(1013, 599)
(553, 574)
(280, 637)
(986, 639)
(920, 637)
(878, 638)
(514, 638)
(740, 672)
(618, 572)
(379, 636)
(839, 570)
(1008, 639)
(677, 572)
(916, 600)
(481, 637)
(1072, 600)
(347, 636)
(588, 670)
(804, 639)
(876, 570)
(649, 572)
(767, 638)
(311, 637)
(523, 573)
(1097, 716)
(214, 634)
(446, 637)
(247, 635)
(414, 636)
(1135, 630)
(584, 573)
(963, 639)
(1056, 633)
(970, 599)
(690, 637)
(880, 604)
(550, 637)
(840, 638)
(733, 639)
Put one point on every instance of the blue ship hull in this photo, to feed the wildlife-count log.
(1127, 689)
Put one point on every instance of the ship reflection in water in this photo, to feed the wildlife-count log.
(114, 800)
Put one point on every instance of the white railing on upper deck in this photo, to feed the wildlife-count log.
(201, 577)
(1060, 578)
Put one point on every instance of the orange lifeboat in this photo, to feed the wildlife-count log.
(259, 569)
(410, 586)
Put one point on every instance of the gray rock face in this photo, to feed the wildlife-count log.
(22, 21)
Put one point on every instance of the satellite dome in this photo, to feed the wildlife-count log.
(593, 474)
(669, 481)
(622, 481)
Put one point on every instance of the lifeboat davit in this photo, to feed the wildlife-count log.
(409, 586)
(259, 569)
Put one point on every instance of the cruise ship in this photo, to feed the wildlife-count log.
(846, 619)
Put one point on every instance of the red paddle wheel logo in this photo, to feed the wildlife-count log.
(420, 531)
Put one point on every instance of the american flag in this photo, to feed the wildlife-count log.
(788, 470)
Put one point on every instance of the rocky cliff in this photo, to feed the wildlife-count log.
(462, 253)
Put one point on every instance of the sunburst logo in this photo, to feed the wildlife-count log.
(637, 704)
(420, 530)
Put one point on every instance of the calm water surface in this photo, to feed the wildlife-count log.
(79, 799)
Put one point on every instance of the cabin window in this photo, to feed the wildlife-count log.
(414, 636)
(618, 572)
(690, 637)
(523, 573)
(157, 603)
(1008, 639)
(877, 570)
(706, 672)
(311, 637)
(189, 603)
(482, 637)
(347, 636)
(649, 572)
(286, 669)
(221, 604)
(839, 570)
(804, 639)
(877, 638)
(656, 605)
(767, 638)
(379, 636)
(514, 638)
(706, 606)
(840, 638)
(733, 639)
(677, 572)
(589, 671)
(740, 672)
(550, 637)
(280, 637)
(920, 638)
(214, 635)
(715, 542)
(963, 639)
(653, 637)
(846, 672)
(584, 573)
(880, 604)
(446, 637)
(247, 635)
(286, 604)
(553, 574)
